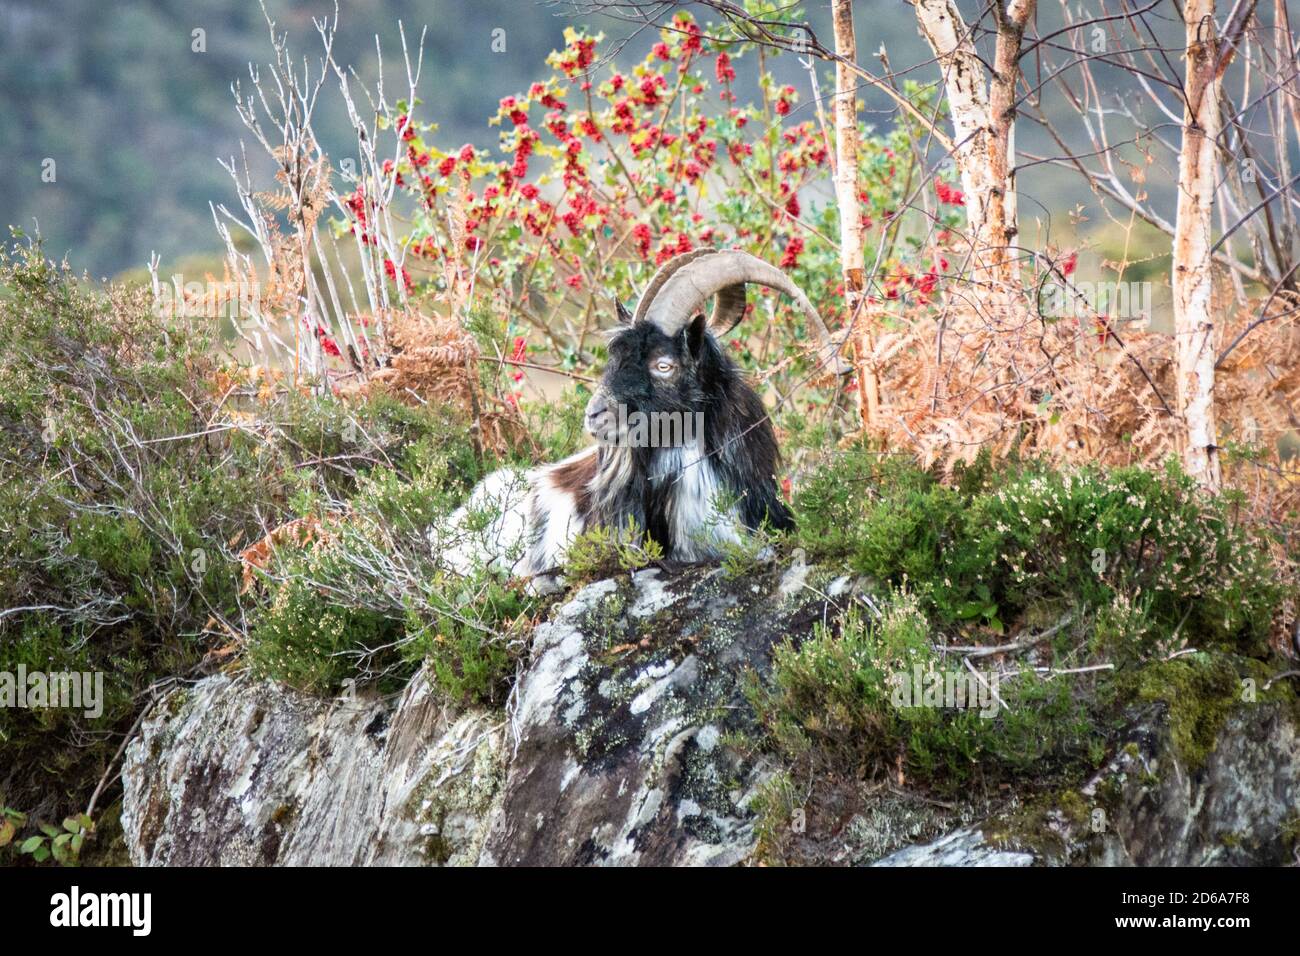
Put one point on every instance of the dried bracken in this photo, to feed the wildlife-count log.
(299, 531)
(434, 359)
(1078, 389)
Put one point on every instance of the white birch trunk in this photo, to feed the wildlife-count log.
(852, 258)
(1192, 265)
(983, 118)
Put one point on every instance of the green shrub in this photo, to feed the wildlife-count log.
(372, 607)
(833, 705)
(131, 476)
(474, 643)
(1001, 543)
(314, 642)
(599, 552)
(371, 602)
(1146, 593)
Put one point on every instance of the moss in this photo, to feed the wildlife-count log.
(1029, 829)
(1058, 826)
(1290, 834)
(1199, 691)
(1074, 808)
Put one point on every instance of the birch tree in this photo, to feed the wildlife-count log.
(1192, 265)
(852, 256)
(846, 155)
(983, 111)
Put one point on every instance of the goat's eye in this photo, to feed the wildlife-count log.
(663, 366)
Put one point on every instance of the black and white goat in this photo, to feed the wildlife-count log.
(710, 485)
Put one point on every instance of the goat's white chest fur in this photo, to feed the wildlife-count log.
(700, 517)
(523, 522)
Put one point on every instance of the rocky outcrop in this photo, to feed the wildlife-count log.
(1241, 809)
(624, 717)
(1148, 808)
(628, 741)
(237, 772)
(615, 751)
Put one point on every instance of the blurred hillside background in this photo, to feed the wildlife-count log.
(135, 120)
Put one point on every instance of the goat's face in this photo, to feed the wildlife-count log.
(650, 373)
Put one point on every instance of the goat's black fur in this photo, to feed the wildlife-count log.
(738, 440)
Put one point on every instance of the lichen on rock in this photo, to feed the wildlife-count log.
(634, 767)
(240, 772)
(631, 738)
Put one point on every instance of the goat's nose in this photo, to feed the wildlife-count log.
(600, 422)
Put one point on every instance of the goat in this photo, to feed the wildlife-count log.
(713, 482)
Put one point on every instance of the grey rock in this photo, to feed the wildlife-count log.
(622, 717)
(1147, 808)
(1240, 809)
(237, 772)
(618, 749)
(613, 753)
(964, 847)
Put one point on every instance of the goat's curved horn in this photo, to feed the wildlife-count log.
(685, 283)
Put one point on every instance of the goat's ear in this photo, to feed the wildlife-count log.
(624, 315)
(695, 335)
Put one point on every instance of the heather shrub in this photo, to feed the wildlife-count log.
(367, 600)
(134, 470)
(832, 706)
(1015, 539)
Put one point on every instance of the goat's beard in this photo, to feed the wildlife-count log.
(668, 494)
(616, 492)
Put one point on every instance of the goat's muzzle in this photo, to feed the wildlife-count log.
(601, 419)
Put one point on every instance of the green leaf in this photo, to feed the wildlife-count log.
(71, 825)
(49, 829)
(41, 854)
(31, 844)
